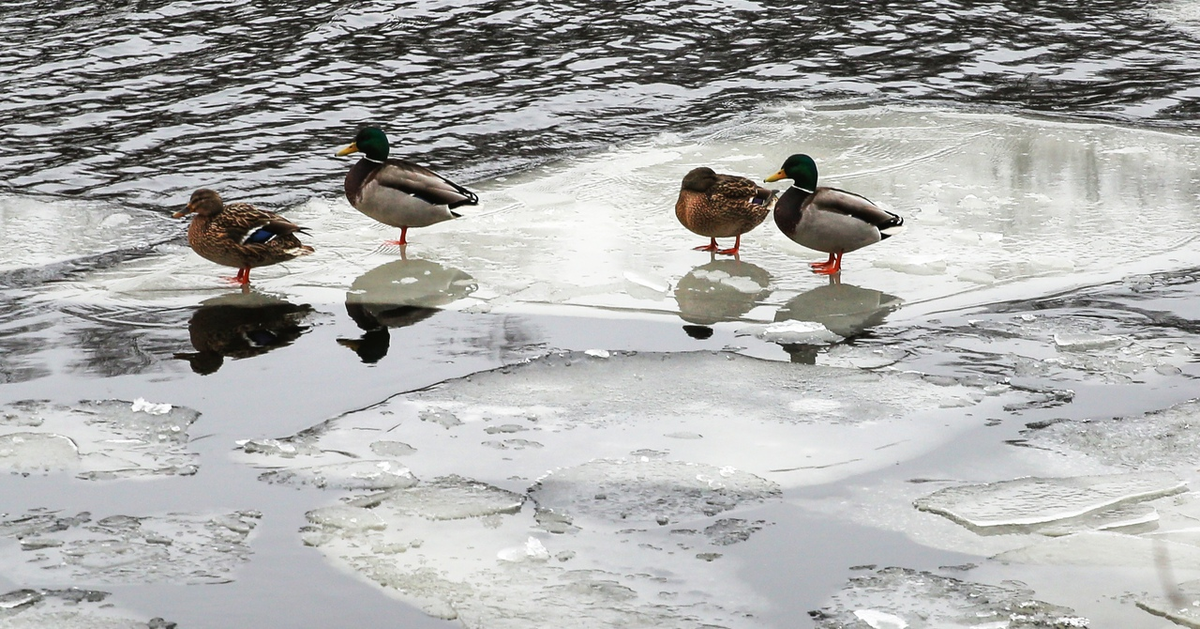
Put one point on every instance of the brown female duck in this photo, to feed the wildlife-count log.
(721, 206)
(239, 234)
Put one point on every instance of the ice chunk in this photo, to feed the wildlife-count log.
(37, 452)
(533, 550)
(1164, 440)
(640, 492)
(792, 333)
(1036, 501)
(880, 620)
(1082, 342)
(141, 405)
(356, 475)
(1106, 548)
(68, 609)
(346, 518)
(448, 498)
(172, 548)
(98, 439)
(1181, 607)
(891, 598)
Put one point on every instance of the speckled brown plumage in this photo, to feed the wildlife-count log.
(239, 234)
(721, 206)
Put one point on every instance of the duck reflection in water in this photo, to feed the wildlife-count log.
(845, 309)
(722, 290)
(241, 325)
(398, 294)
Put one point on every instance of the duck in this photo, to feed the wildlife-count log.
(239, 234)
(828, 219)
(721, 206)
(396, 192)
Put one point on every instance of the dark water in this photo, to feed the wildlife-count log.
(142, 101)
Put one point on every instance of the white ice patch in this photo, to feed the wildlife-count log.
(140, 405)
(120, 549)
(637, 489)
(895, 598)
(97, 440)
(996, 200)
(1035, 501)
(71, 608)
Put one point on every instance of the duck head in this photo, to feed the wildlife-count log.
(370, 141)
(801, 169)
(204, 202)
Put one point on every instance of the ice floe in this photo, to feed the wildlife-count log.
(97, 439)
(897, 598)
(171, 548)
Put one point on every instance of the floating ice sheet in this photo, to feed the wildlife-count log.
(896, 598)
(172, 548)
(802, 424)
(585, 481)
(462, 549)
(1028, 502)
(990, 200)
(67, 609)
(1163, 440)
(97, 439)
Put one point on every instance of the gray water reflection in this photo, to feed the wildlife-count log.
(241, 325)
(721, 290)
(845, 309)
(137, 100)
(399, 294)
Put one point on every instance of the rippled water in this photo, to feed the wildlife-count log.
(143, 102)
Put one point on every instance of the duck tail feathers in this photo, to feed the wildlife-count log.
(891, 228)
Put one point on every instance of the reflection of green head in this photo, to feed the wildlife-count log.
(799, 168)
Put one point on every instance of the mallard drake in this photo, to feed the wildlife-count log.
(239, 234)
(399, 193)
(721, 206)
(828, 219)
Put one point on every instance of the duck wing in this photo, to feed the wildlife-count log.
(423, 183)
(243, 223)
(857, 206)
(740, 188)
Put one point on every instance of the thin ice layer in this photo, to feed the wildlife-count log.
(121, 549)
(794, 424)
(97, 439)
(1031, 501)
(72, 608)
(899, 598)
(462, 549)
(1163, 440)
(989, 200)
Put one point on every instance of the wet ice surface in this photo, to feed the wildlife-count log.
(171, 548)
(97, 440)
(931, 601)
(68, 609)
(672, 483)
(471, 425)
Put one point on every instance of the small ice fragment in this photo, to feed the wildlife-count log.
(654, 284)
(880, 620)
(1082, 342)
(150, 408)
(792, 332)
(533, 550)
(346, 518)
(598, 353)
